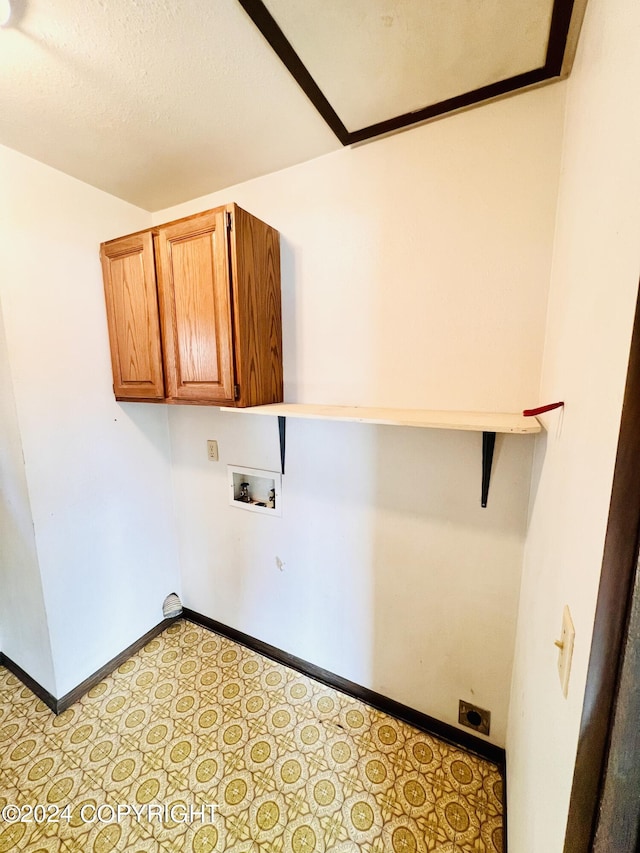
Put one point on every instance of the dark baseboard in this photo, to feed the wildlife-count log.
(421, 721)
(60, 705)
(73, 695)
(505, 840)
(48, 698)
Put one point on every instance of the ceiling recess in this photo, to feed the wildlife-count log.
(375, 66)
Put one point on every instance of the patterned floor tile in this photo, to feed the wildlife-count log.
(306, 835)
(403, 835)
(18, 698)
(13, 731)
(205, 746)
(62, 814)
(268, 818)
(363, 819)
(377, 773)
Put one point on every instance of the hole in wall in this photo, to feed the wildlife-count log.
(473, 717)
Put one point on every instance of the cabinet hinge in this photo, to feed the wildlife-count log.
(229, 221)
(236, 392)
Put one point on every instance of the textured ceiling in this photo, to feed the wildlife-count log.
(161, 101)
(154, 101)
(376, 59)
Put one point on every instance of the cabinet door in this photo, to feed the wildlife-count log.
(129, 273)
(196, 311)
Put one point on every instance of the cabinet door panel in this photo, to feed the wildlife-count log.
(193, 262)
(132, 312)
(196, 309)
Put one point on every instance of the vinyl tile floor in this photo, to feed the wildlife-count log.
(198, 744)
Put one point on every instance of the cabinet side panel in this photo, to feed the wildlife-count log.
(257, 309)
(196, 308)
(132, 314)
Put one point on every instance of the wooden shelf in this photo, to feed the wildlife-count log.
(423, 418)
(488, 423)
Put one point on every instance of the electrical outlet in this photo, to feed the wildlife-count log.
(473, 717)
(565, 650)
(212, 450)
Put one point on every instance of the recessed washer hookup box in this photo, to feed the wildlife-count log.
(255, 489)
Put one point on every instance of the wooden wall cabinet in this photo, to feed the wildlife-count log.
(193, 309)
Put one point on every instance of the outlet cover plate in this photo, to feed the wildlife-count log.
(478, 719)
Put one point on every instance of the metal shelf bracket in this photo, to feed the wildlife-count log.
(282, 429)
(488, 445)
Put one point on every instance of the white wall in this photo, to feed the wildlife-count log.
(415, 273)
(596, 267)
(24, 633)
(98, 473)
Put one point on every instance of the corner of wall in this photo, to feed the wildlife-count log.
(24, 629)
